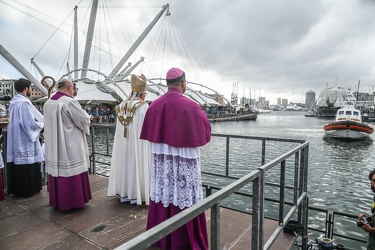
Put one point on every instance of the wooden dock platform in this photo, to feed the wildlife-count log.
(104, 223)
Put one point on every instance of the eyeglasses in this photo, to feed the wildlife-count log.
(74, 87)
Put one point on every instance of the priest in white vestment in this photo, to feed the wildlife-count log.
(129, 173)
(66, 151)
(24, 153)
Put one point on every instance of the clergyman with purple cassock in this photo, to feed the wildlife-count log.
(67, 156)
(176, 128)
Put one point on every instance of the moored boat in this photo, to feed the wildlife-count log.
(348, 129)
(310, 113)
(243, 116)
(348, 123)
(264, 111)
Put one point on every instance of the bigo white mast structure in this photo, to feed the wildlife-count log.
(108, 78)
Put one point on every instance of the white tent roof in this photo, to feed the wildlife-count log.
(92, 92)
(89, 92)
(201, 98)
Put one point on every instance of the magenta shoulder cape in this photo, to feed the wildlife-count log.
(176, 120)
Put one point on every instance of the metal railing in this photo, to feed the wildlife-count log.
(257, 179)
(94, 153)
(328, 229)
(214, 200)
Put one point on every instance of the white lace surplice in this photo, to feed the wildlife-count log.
(175, 175)
(23, 146)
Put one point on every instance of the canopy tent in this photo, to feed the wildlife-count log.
(201, 98)
(91, 92)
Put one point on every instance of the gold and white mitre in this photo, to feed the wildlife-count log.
(125, 110)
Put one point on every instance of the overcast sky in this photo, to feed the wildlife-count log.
(273, 48)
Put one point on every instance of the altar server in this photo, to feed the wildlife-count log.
(24, 153)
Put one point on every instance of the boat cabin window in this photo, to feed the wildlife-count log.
(348, 112)
(341, 112)
(355, 112)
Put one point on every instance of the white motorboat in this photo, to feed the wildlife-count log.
(348, 123)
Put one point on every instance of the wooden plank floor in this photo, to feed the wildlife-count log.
(104, 223)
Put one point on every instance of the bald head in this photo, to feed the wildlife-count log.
(66, 86)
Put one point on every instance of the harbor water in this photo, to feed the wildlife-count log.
(338, 171)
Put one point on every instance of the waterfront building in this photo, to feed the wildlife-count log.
(267, 104)
(279, 101)
(310, 99)
(262, 102)
(284, 102)
(252, 102)
(6, 87)
(367, 106)
(35, 93)
(244, 100)
(360, 96)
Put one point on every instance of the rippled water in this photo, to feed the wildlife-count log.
(338, 171)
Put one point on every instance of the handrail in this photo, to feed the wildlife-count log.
(328, 229)
(156, 233)
(213, 200)
(257, 177)
(257, 138)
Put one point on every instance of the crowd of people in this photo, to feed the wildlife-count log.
(155, 158)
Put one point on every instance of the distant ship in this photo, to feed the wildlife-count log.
(294, 107)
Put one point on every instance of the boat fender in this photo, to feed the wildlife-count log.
(293, 227)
